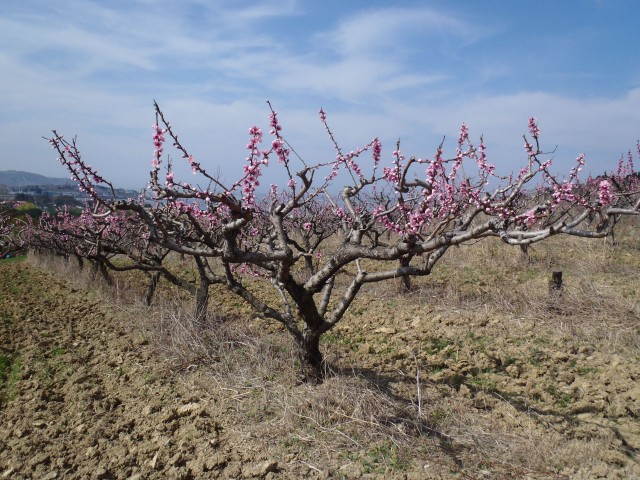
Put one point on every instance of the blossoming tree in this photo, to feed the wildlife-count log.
(386, 221)
(10, 230)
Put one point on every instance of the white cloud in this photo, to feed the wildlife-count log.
(600, 127)
(391, 31)
(378, 72)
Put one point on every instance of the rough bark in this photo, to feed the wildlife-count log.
(312, 365)
(151, 288)
(202, 302)
(405, 281)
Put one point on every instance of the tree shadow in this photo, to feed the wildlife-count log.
(405, 415)
(550, 417)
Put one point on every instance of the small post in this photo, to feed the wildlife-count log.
(555, 284)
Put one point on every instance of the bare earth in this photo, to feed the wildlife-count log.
(86, 392)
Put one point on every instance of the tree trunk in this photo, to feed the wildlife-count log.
(202, 301)
(104, 272)
(308, 263)
(405, 282)
(312, 366)
(151, 288)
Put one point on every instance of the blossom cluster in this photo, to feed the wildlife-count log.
(158, 143)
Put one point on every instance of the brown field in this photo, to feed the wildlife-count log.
(479, 372)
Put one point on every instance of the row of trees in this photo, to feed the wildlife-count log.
(331, 226)
(6, 228)
(12, 221)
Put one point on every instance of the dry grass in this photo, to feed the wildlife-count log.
(250, 372)
(600, 299)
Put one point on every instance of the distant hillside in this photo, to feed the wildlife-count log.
(15, 178)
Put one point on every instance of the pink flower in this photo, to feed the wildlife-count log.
(158, 140)
(564, 191)
(604, 193)
(533, 127)
(530, 217)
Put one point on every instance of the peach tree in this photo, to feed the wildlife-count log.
(331, 226)
(10, 230)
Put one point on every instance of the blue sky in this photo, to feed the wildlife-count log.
(413, 70)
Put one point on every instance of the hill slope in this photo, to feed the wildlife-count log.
(16, 178)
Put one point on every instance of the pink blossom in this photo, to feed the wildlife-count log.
(463, 136)
(563, 191)
(604, 193)
(530, 217)
(390, 174)
(534, 130)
